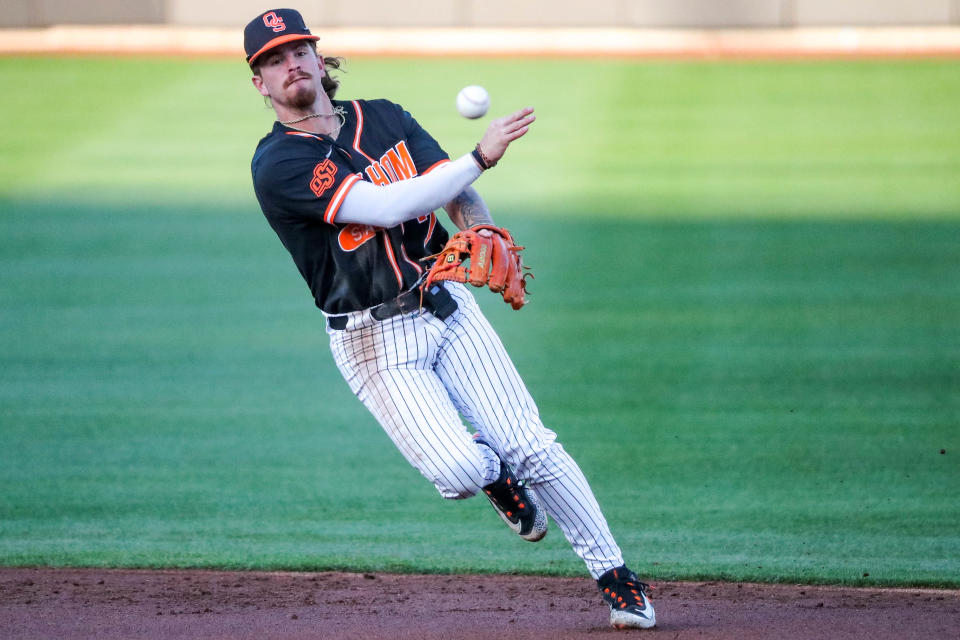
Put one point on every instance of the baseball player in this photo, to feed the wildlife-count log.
(351, 188)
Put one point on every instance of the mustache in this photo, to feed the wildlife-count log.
(299, 76)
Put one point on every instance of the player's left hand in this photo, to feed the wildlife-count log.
(494, 261)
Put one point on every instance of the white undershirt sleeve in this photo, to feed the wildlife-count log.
(389, 205)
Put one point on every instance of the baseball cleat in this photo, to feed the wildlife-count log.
(516, 503)
(630, 608)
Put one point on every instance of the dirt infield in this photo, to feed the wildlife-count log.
(175, 605)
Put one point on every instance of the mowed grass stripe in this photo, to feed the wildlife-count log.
(744, 324)
(613, 138)
(752, 400)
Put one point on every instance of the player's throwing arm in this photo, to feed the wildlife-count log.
(502, 132)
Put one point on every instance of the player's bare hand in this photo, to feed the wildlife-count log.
(503, 131)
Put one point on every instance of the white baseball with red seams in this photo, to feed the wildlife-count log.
(473, 101)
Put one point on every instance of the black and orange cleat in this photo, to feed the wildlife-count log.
(516, 503)
(630, 608)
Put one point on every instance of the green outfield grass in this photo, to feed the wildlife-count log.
(745, 323)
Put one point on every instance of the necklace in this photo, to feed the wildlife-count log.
(338, 111)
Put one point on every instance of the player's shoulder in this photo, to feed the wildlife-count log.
(372, 103)
(376, 106)
(283, 144)
(282, 141)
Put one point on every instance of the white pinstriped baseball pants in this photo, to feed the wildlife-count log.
(417, 374)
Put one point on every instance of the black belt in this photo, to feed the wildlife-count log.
(438, 301)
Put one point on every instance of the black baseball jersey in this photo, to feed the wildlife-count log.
(301, 180)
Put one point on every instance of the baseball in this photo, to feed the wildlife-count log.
(473, 101)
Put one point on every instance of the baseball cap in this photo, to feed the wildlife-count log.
(272, 28)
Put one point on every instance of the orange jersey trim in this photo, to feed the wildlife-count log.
(356, 137)
(433, 216)
(433, 224)
(338, 197)
(434, 166)
(393, 259)
(403, 252)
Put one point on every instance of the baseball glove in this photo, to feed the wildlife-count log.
(494, 261)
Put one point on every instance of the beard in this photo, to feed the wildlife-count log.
(303, 96)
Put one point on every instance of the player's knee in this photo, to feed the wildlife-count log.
(541, 462)
(459, 484)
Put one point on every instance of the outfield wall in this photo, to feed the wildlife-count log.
(834, 42)
(704, 14)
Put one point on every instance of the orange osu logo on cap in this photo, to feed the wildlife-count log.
(274, 21)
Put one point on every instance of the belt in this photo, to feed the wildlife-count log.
(404, 303)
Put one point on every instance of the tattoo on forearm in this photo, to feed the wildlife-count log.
(470, 209)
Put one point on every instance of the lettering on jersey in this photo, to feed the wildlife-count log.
(376, 174)
(354, 235)
(323, 175)
(274, 21)
(395, 164)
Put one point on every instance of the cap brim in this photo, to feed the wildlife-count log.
(278, 41)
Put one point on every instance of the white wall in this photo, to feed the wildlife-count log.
(463, 13)
(39, 13)
(586, 13)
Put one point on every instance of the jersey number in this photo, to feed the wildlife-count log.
(323, 175)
